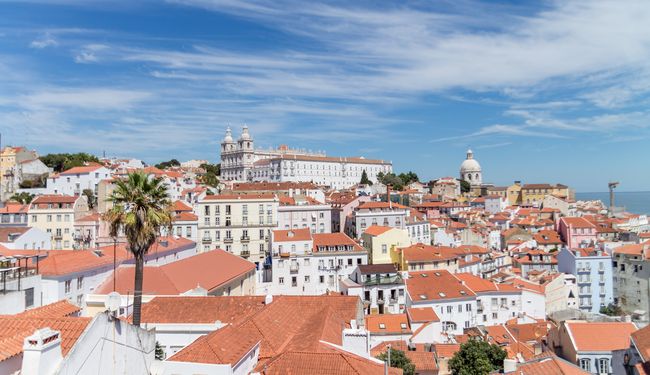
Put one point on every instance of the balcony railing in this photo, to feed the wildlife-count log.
(228, 240)
(245, 239)
(206, 240)
(294, 268)
(397, 279)
(245, 253)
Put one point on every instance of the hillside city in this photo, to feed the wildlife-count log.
(289, 261)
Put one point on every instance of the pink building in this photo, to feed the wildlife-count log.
(576, 230)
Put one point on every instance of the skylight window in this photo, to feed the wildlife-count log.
(441, 294)
(382, 326)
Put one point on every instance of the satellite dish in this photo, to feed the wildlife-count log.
(113, 300)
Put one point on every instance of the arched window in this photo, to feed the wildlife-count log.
(469, 177)
(477, 176)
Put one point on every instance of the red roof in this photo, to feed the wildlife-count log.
(388, 324)
(208, 270)
(15, 328)
(600, 336)
(201, 310)
(14, 208)
(91, 167)
(46, 199)
(60, 309)
(422, 314)
(435, 285)
(185, 216)
(376, 230)
(179, 206)
(578, 222)
(303, 234)
(334, 239)
(61, 262)
(642, 342)
(287, 324)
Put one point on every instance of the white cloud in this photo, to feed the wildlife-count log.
(47, 40)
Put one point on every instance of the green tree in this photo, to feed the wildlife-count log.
(141, 208)
(62, 162)
(465, 187)
(477, 358)
(168, 164)
(364, 178)
(611, 310)
(211, 175)
(22, 198)
(408, 177)
(398, 359)
(90, 196)
(393, 180)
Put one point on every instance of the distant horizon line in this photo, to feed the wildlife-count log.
(615, 192)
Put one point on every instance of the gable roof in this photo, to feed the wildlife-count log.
(376, 230)
(435, 285)
(303, 234)
(201, 309)
(208, 270)
(600, 336)
(641, 339)
(15, 328)
(288, 323)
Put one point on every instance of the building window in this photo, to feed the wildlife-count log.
(281, 281)
(603, 366)
(322, 279)
(68, 283)
(384, 248)
(80, 282)
(29, 297)
(585, 364)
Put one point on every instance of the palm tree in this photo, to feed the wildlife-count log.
(141, 209)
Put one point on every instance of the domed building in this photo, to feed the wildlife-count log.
(470, 170)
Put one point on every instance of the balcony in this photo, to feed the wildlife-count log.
(206, 240)
(329, 268)
(480, 308)
(294, 268)
(392, 301)
(245, 239)
(57, 236)
(245, 253)
(397, 279)
(228, 240)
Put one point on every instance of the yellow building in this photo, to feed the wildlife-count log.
(534, 194)
(56, 215)
(381, 240)
(513, 193)
(421, 257)
(10, 157)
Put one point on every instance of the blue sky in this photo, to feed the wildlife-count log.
(553, 91)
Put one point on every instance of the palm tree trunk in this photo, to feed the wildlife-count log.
(137, 293)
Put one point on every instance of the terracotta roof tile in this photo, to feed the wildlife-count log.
(388, 324)
(422, 315)
(641, 340)
(435, 285)
(376, 230)
(599, 336)
(60, 309)
(200, 309)
(303, 234)
(208, 270)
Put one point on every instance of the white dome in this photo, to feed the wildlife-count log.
(470, 165)
(228, 137)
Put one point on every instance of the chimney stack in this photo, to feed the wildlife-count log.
(42, 352)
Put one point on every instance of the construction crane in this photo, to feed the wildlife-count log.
(612, 185)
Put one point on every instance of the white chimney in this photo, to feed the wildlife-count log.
(509, 365)
(356, 340)
(42, 352)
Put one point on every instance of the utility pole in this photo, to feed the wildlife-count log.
(387, 363)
